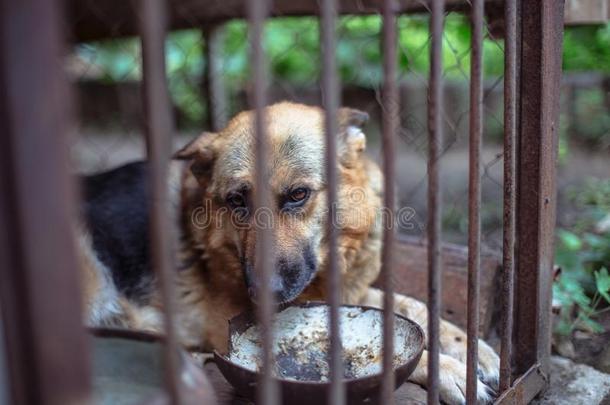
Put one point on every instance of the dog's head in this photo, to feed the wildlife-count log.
(224, 165)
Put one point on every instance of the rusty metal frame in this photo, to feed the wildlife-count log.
(540, 80)
(214, 88)
(46, 347)
(390, 126)
(331, 97)
(510, 158)
(267, 392)
(538, 40)
(159, 131)
(474, 198)
(434, 227)
(43, 306)
(116, 17)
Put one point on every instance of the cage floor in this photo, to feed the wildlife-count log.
(125, 371)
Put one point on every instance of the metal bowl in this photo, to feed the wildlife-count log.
(128, 370)
(358, 389)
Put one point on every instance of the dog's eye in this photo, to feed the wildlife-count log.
(298, 195)
(236, 200)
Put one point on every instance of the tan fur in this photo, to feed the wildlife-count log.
(211, 289)
(90, 277)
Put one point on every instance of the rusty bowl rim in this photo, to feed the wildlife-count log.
(139, 335)
(249, 314)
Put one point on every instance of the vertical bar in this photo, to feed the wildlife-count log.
(510, 154)
(214, 88)
(158, 143)
(45, 343)
(389, 130)
(4, 380)
(331, 103)
(435, 141)
(474, 198)
(542, 34)
(267, 389)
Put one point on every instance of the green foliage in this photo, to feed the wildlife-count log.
(602, 283)
(185, 64)
(293, 52)
(584, 284)
(584, 256)
(592, 120)
(113, 61)
(587, 48)
(594, 196)
(293, 49)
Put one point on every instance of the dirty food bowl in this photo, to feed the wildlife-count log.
(301, 352)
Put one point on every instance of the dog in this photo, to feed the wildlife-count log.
(211, 189)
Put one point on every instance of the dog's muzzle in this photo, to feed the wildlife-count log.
(290, 277)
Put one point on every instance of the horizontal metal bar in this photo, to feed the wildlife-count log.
(94, 20)
(525, 388)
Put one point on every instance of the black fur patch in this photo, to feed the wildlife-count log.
(116, 208)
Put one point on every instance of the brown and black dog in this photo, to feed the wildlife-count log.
(211, 190)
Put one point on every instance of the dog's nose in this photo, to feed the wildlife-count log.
(276, 289)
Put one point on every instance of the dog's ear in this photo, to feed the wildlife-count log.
(201, 152)
(352, 141)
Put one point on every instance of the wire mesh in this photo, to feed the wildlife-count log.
(107, 75)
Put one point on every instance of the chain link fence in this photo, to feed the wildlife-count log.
(107, 73)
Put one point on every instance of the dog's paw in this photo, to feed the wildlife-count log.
(452, 383)
(453, 343)
(489, 365)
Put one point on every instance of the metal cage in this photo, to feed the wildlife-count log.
(46, 347)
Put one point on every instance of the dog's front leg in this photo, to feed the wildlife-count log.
(453, 348)
(452, 380)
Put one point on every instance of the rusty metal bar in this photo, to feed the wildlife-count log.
(331, 97)
(525, 388)
(435, 142)
(510, 158)
(474, 198)
(390, 113)
(159, 129)
(268, 393)
(213, 85)
(4, 380)
(113, 18)
(542, 34)
(45, 344)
